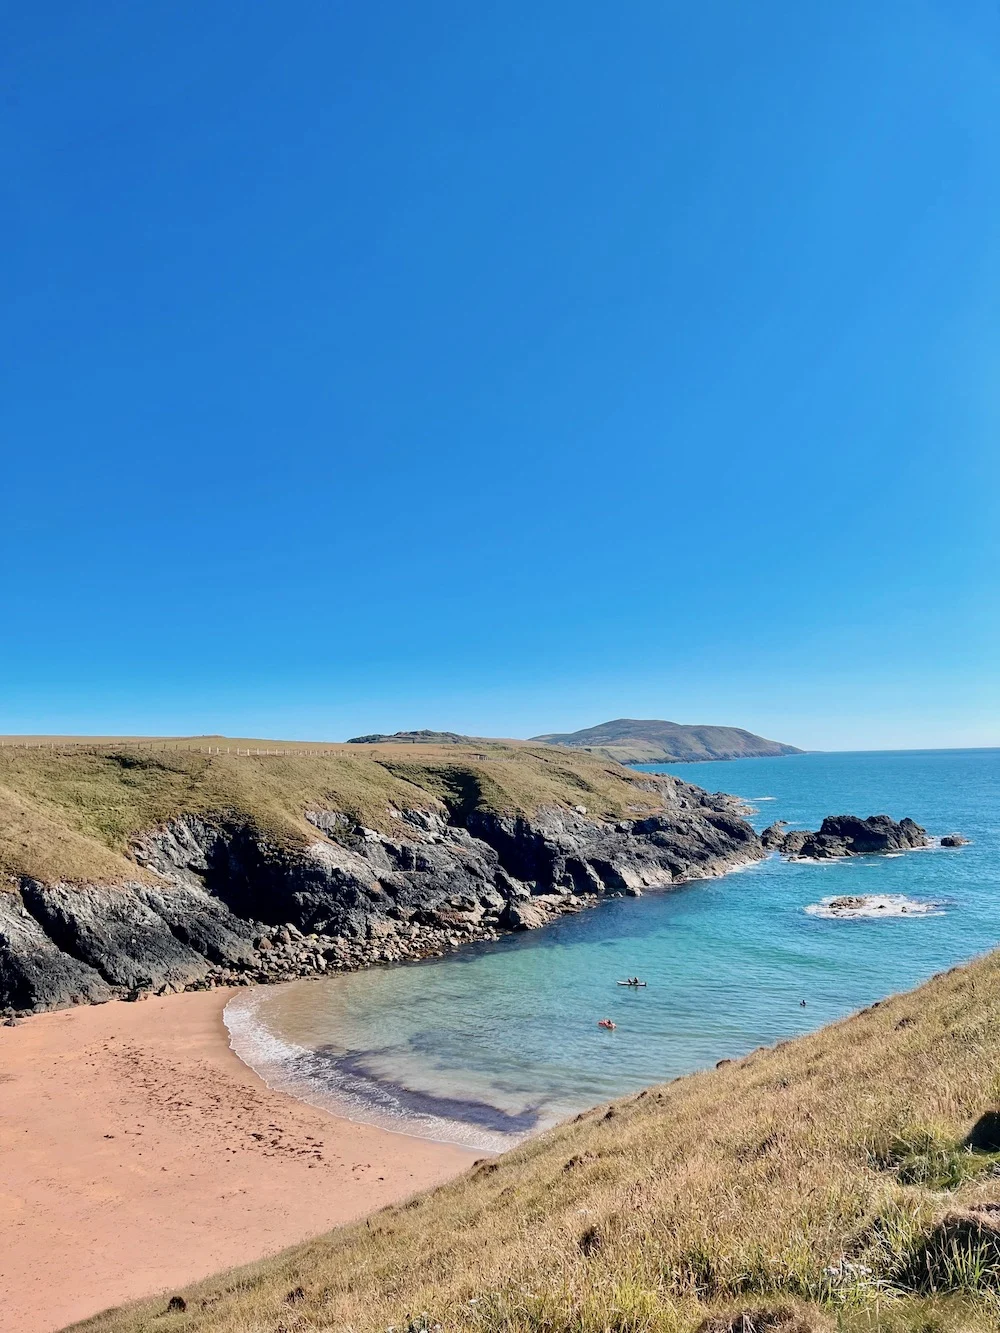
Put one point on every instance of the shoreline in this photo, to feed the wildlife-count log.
(294, 955)
(379, 1102)
(534, 912)
(139, 1154)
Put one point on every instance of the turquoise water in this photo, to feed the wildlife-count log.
(494, 1042)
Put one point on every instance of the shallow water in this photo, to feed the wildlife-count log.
(492, 1043)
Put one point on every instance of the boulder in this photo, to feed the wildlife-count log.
(527, 914)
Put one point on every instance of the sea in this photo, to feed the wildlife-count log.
(500, 1040)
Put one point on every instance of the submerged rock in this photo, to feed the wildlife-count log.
(873, 905)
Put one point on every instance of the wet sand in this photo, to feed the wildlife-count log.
(137, 1153)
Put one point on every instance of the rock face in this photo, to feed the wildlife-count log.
(846, 835)
(773, 837)
(225, 905)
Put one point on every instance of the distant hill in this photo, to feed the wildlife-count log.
(633, 741)
(413, 738)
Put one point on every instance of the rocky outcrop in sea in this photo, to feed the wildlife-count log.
(221, 903)
(845, 835)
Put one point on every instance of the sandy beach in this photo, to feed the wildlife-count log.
(137, 1153)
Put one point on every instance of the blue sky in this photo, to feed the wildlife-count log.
(502, 368)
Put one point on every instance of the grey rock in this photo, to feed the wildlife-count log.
(34, 972)
(774, 835)
(794, 841)
(849, 835)
(112, 930)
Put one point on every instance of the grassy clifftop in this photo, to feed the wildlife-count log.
(825, 1183)
(69, 811)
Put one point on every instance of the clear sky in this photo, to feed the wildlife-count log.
(501, 367)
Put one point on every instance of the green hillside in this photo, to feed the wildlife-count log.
(847, 1180)
(634, 741)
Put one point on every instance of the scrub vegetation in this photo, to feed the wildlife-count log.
(846, 1180)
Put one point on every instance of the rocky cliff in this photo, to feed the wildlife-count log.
(224, 892)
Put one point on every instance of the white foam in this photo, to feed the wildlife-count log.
(251, 1039)
(873, 906)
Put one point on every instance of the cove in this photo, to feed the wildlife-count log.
(500, 1039)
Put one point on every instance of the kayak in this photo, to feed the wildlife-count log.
(634, 984)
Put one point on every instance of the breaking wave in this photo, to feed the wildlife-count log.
(873, 906)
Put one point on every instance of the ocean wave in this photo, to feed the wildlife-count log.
(250, 1038)
(873, 905)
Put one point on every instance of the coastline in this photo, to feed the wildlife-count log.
(234, 872)
(140, 1154)
(293, 955)
(52, 1071)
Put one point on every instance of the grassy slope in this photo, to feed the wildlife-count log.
(636, 741)
(70, 812)
(737, 1187)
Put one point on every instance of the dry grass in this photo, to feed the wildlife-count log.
(800, 1185)
(70, 812)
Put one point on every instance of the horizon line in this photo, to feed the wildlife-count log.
(75, 738)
